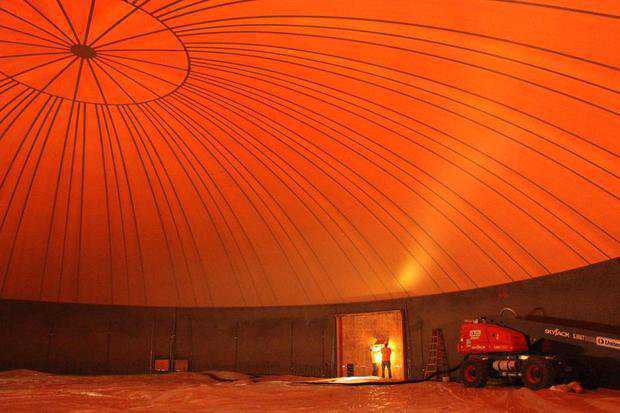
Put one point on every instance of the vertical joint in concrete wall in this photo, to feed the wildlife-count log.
(172, 340)
(323, 369)
(236, 338)
(190, 356)
(50, 337)
(291, 367)
(108, 367)
(152, 344)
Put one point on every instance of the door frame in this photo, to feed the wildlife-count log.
(340, 371)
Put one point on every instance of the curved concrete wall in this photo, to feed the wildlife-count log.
(87, 339)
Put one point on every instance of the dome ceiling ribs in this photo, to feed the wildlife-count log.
(264, 153)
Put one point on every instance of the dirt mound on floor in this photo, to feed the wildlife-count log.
(21, 373)
(223, 375)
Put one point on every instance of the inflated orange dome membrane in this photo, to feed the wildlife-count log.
(258, 153)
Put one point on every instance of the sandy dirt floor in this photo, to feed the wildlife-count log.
(22, 391)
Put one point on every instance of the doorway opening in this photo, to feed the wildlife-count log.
(361, 338)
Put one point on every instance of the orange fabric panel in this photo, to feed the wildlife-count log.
(268, 152)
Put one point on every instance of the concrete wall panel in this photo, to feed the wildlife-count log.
(213, 345)
(80, 343)
(26, 336)
(310, 353)
(129, 345)
(265, 346)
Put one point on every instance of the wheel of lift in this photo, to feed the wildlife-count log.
(474, 373)
(537, 373)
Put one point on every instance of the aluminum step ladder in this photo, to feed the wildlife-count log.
(437, 357)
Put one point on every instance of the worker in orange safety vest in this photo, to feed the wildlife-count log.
(386, 353)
